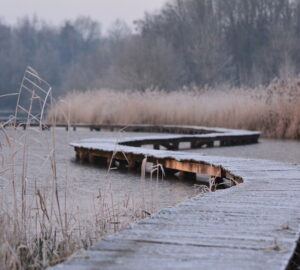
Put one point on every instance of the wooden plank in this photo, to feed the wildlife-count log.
(193, 167)
(254, 225)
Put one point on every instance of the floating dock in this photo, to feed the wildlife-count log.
(252, 225)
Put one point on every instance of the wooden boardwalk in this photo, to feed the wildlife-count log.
(253, 225)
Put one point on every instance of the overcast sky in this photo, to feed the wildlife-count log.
(57, 11)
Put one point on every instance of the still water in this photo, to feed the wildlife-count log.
(86, 184)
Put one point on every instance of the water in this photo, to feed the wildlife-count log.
(87, 182)
(279, 150)
(92, 193)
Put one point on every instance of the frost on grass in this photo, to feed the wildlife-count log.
(42, 220)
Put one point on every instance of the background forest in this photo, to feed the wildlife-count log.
(188, 42)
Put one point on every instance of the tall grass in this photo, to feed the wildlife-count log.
(274, 109)
(42, 217)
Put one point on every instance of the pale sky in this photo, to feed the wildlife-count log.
(57, 11)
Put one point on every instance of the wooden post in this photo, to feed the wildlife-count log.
(222, 143)
(171, 146)
(189, 175)
(77, 154)
(83, 156)
(196, 144)
(131, 163)
(122, 164)
(193, 145)
(91, 158)
(175, 146)
(170, 172)
(210, 144)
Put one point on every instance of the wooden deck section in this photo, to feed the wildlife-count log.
(253, 225)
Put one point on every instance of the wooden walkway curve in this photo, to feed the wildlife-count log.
(253, 225)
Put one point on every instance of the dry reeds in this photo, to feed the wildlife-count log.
(41, 220)
(274, 110)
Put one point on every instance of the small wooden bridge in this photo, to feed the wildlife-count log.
(252, 225)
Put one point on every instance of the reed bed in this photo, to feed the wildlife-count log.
(44, 215)
(274, 109)
(43, 219)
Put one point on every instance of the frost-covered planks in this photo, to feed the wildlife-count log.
(196, 135)
(231, 229)
(254, 225)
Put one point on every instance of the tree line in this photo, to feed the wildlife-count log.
(188, 42)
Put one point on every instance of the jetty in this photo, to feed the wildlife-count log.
(252, 225)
